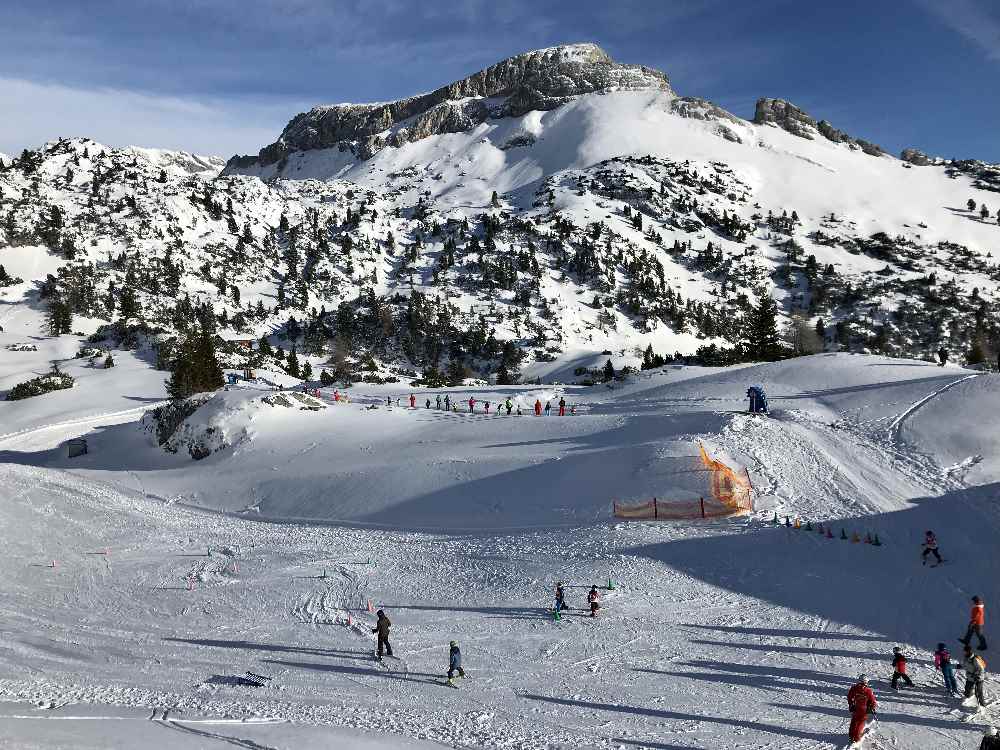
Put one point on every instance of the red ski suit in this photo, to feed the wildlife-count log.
(861, 700)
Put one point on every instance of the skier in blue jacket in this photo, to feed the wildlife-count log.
(454, 663)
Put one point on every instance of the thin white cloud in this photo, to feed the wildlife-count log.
(971, 19)
(44, 112)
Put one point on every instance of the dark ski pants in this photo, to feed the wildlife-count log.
(897, 676)
(948, 672)
(930, 551)
(977, 687)
(383, 643)
(452, 670)
(976, 630)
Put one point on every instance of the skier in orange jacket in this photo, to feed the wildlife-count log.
(538, 408)
(977, 619)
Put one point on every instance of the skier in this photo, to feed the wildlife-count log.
(977, 618)
(413, 401)
(562, 407)
(454, 663)
(438, 401)
(509, 406)
(572, 410)
(447, 402)
(382, 628)
(388, 401)
(942, 663)
(548, 408)
(336, 396)
(942, 356)
(538, 408)
(519, 410)
(472, 404)
(486, 407)
(899, 669)
(595, 601)
(861, 702)
(560, 597)
(974, 667)
(990, 739)
(930, 547)
(428, 404)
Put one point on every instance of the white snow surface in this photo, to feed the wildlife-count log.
(141, 586)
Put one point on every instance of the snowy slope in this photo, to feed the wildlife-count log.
(713, 631)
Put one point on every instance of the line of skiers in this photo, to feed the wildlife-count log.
(447, 404)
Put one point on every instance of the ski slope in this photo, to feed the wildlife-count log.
(721, 634)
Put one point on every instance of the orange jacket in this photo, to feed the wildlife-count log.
(978, 616)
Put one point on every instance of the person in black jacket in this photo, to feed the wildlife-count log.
(990, 739)
(382, 628)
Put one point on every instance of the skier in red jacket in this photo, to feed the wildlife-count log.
(538, 408)
(413, 401)
(861, 701)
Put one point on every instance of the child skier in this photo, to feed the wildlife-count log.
(562, 407)
(595, 601)
(472, 404)
(447, 402)
(977, 618)
(538, 408)
(861, 702)
(413, 401)
(974, 667)
(930, 548)
(454, 663)
(899, 669)
(487, 407)
(548, 408)
(509, 406)
(382, 628)
(438, 401)
(942, 663)
(560, 597)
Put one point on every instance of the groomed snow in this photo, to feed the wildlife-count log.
(720, 634)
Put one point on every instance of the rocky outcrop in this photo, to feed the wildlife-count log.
(697, 108)
(916, 157)
(788, 117)
(539, 80)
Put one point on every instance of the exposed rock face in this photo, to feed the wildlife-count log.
(539, 80)
(786, 116)
(790, 118)
(697, 108)
(916, 157)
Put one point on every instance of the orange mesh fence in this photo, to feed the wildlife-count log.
(728, 486)
(728, 492)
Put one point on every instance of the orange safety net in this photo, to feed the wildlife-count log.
(729, 493)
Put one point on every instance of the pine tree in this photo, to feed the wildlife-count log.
(495, 199)
(292, 368)
(984, 212)
(971, 204)
(109, 362)
(761, 335)
(59, 317)
(195, 367)
(609, 371)
(307, 371)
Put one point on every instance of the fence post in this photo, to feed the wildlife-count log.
(702, 506)
(750, 482)
(655, 510)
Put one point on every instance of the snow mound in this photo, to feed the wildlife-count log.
(203, 425)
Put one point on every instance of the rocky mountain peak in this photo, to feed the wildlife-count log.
(538, 80)
(785, 115)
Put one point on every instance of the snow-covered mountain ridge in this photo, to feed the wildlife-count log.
(589, 208)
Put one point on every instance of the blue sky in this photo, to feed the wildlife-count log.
(223, 76)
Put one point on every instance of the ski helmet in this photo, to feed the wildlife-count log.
(380, 613)
(976, 600)
(453, 644)
(941, 647)
(990, 731)
(896, 649)
(863, 678)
